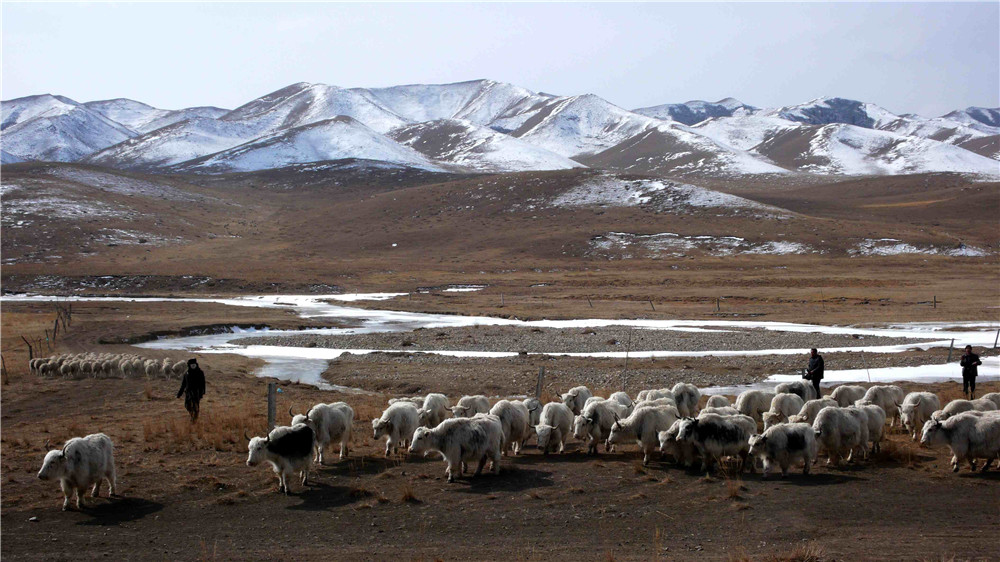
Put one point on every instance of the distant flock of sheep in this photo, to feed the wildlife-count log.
(124, 365)
(797, 427)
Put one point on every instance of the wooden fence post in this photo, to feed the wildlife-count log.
(628, 348)
(538, 385)
(31, 352)
(272, 405)
(950, 347)
(651, 305)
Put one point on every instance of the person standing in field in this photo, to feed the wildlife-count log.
(969, 363)
(814, 372)
(193, 388)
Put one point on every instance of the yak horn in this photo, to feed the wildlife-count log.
(290, 412)
(245, 436)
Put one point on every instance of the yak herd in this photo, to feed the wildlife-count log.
(786, 427)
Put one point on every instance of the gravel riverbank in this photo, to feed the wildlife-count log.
(576, 340)
(420, 373)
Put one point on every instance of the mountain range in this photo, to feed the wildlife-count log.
(488, 126)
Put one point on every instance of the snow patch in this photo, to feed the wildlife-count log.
(893, 247)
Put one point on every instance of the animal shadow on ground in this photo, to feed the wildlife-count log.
(570, 456)
(510, 479)
(370, 465)
(993, 474)
(796, 478)
(119, 510)
(317, 496)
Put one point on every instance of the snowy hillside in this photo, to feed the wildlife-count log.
(743, 132)
(696, 111)
(846, 149)
(56, 128)
(174, 144)
(304, 103)
(479, 101)
(143, 118)
(580, 125)
(333, 139)
(678, 150)
(463, 144)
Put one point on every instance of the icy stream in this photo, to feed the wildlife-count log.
(306, 365)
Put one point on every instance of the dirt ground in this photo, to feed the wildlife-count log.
(185, 492)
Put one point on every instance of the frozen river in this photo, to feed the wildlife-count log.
(306, 365)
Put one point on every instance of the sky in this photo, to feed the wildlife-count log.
(924, 58)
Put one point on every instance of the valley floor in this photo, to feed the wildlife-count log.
(187, 494)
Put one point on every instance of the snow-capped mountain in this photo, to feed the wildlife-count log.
(488, 126)
(823, 111)
(972, 115)
(696, 111)
(332, 139)
(56, 128)
(461, 143)
(143, 118)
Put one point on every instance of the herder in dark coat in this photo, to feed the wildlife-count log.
(814, 372)
(969, 363)
(193, 388)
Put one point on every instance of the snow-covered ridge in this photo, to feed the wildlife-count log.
(511, 128)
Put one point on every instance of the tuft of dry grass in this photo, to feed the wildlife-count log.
(803, 553)
(359, 492)
(408, 496)
(637, 468)
(904, 453)
(733, 489)
(209, 553)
